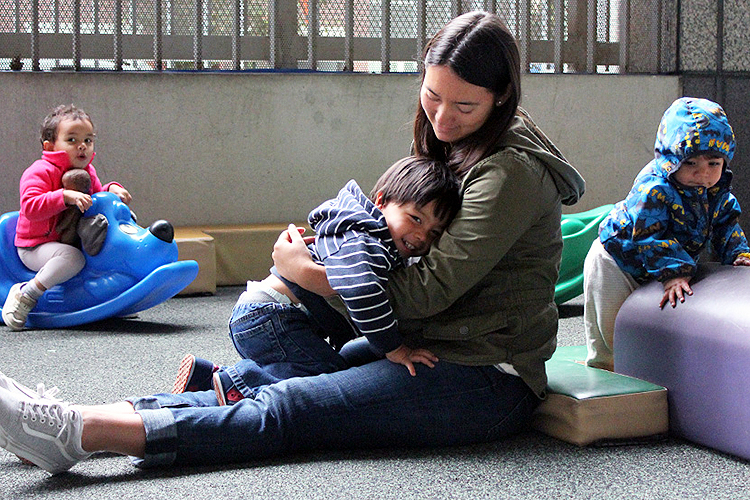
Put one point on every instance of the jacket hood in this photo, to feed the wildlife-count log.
(524, 135)
(690, 127)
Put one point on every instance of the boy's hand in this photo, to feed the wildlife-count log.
(407, 356)
(77, 199)
(675, 289)
(121, 193)
(742, 260)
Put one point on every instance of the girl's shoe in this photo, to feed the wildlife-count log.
(17, 308)
(194, 374)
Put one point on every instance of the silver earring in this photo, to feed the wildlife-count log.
(499, 103)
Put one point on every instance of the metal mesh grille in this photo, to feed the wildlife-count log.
(590, 36)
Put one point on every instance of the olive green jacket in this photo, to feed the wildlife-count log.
(485, 292)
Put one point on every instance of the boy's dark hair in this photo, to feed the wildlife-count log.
(60, 113)
(420, 180)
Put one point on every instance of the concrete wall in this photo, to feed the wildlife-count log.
(208, 148)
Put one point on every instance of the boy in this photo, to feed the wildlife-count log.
(359, 239)
(680, 203)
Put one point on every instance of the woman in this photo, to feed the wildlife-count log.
(481, 301)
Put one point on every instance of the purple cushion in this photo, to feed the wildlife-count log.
(699, 351)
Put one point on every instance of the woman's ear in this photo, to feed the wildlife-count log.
(504, 96)
(48, 146)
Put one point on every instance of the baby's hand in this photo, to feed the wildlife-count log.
(77, 199)
(407, 356)
(674, 289)
(121, 192)
(742, 260)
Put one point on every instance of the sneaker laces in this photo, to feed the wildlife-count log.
(25, 303)
(54, 413)
(47, 393)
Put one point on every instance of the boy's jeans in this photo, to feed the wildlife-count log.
(377, 404)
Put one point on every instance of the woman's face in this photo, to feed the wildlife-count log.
(455, 107)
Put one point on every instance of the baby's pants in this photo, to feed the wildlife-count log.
(54, 262)
(605, 288)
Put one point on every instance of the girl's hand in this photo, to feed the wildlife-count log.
(121, 193)
(77, 199)
(404, 355)
(675, 289)
(742, 260)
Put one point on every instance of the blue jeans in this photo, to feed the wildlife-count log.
(375, 404)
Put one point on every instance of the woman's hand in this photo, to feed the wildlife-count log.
(77, 199)
(742, 260)
(121, 193)
(404, 355)
(290, 253)
(675, 289)
(293, 261)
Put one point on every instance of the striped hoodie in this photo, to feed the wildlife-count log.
(354, 244)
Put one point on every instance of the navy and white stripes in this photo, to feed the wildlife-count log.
(355, 246)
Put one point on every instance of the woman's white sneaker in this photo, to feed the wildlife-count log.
(44, 432)
(41, 392)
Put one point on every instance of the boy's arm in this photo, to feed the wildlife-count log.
(727, 236)
(357, 272)
(651, 244)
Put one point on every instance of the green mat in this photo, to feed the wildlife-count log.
(587, 405)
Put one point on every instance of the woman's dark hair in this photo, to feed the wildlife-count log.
(48, 131)
(480, 49)
(420, 180)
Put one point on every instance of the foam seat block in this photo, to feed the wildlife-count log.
(194, 244)
(587, 405)
(699, 351)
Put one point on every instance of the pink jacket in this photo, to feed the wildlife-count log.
(42, 198)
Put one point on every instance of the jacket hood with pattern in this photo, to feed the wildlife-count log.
(692, 127)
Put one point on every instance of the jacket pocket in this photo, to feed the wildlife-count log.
(466, 327)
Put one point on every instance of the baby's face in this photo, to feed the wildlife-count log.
(413, 229)
(76, 138)
(700, 171)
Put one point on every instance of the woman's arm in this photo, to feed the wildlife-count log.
(293, 261)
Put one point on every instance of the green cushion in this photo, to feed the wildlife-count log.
(566, 374)
(587, 405)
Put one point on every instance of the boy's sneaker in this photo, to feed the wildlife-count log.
(45, 433)
(21, 390)
(17, 307)
(194, 374)
(225, 396)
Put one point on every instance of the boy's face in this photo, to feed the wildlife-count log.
(75, 137)
(700, 171)
(413, 229)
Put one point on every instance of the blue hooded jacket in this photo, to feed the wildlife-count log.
(659, 230)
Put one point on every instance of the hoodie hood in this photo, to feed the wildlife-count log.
(691, 127)
(524, 135)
